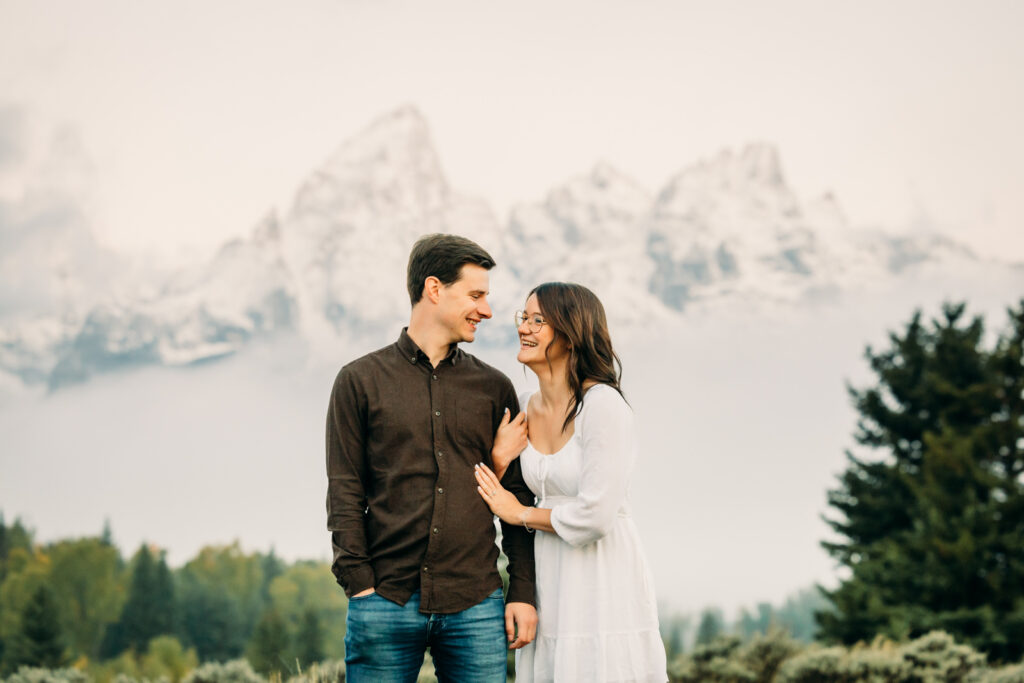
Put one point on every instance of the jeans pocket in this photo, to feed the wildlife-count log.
(361, 598)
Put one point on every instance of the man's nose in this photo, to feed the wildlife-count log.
(484, 309)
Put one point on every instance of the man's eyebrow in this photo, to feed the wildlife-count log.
(480, 291)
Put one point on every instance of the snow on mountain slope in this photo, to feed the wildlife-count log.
(347, 236)
(333, 266)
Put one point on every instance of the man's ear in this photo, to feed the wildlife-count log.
(432, 289)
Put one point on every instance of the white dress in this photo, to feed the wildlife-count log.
(597, 617)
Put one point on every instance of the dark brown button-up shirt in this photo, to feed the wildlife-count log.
(402, 505)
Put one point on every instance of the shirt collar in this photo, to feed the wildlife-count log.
(413, 353)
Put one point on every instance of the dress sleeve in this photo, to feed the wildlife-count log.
(609, 448)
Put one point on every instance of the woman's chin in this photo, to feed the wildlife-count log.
(527, 357)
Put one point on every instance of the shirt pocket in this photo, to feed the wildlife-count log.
(472, 424)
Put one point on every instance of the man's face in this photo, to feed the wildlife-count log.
(463, 303)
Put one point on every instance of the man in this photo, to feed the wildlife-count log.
(413, 542)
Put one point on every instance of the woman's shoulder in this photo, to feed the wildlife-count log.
(604, 399)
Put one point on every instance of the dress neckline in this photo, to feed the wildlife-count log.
(550, 455)
(564, 445)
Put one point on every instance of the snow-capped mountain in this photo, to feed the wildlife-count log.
(334, 263)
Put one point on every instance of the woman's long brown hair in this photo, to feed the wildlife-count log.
(577, 315)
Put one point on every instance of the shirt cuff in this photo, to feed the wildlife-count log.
(357, 579)
(520, 591)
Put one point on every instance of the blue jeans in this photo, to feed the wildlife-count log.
(384, 642)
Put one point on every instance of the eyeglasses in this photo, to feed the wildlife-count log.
(535, 322)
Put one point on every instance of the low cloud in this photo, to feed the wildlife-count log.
(50, 261)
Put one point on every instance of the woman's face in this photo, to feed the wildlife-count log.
(538, 343)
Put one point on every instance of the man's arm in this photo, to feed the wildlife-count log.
(516, 542)
(346, 488)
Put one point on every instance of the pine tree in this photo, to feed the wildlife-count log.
(150, 608)
(107, 536)
(40, 642)
(310, 639)
(711, 625)
(211, 622)
(272, 568)
(270, 643)
(165, 617)
(933, 532)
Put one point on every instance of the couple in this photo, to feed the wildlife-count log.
(425, 444)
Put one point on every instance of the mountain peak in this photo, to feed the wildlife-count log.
(390, 167)
(755, 167)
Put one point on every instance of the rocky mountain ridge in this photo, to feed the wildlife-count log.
(334, 264)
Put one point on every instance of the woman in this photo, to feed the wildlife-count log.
(597, 619)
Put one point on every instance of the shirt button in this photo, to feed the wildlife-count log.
(436, 529)
(426, 568)
(435, 377)
(412, 359)
(437, 413)
(440, 489)
(439, 454)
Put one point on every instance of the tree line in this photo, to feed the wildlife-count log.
(80, 602)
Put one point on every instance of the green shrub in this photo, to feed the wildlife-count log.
(125, 678)
(332, 671)
(933, 658)
(235, 671)
(1008, 674)
(727, 660)
(29, 674)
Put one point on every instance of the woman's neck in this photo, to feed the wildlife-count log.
(555, 393)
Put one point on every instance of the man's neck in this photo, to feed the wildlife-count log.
(433, 340)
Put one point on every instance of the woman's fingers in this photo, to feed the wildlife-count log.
(488, 475)
(485, 482)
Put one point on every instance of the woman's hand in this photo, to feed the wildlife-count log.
(509, 442)
(501, 501)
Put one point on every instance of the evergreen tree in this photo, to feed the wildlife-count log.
(107, 536)
(41, 641)
(711, 625)
(165, 605)
(933, 531)
(273, 567)
(310, 640)
(149, 610)
(269, 646)
(12, 537)
(211, 621)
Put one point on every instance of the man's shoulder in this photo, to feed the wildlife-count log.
(489, 371)
(368, 361)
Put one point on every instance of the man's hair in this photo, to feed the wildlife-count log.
(442, 256)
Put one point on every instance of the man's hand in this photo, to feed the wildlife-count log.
(368, 591)
(520, 624)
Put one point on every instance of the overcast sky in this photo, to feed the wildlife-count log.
(192, 118)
